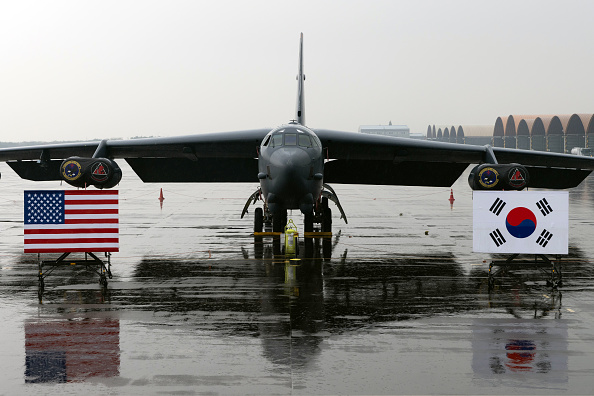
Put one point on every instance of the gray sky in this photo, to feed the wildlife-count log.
(103, 69)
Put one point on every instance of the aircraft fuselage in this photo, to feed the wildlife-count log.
(291, 167)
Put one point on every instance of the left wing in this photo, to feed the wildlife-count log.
(357, 158)
(212, 157)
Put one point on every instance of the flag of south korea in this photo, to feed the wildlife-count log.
(525, 222)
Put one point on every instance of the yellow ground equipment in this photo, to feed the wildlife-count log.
(291, 238)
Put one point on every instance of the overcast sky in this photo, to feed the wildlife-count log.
(106, 69)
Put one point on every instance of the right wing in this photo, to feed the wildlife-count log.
(357, 158)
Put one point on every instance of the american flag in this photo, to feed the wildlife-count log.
(71, 221)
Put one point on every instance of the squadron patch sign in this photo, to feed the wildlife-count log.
(488, 177)
(71, 170)
(526, 222)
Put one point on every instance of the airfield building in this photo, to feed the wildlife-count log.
(553, 133)
(386, 130)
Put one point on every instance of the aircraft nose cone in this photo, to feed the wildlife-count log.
(293, 162)
(290, 169)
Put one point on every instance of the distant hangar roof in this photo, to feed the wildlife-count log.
(477, 130)
(460, 131)
(514, 125)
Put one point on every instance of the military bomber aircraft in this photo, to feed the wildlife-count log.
(295, 164)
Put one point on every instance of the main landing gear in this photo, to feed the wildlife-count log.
(264, 220)
(321, 214)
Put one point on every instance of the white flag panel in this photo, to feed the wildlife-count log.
(526, 222)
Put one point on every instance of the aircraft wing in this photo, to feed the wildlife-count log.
(357, 158)
(212, 157)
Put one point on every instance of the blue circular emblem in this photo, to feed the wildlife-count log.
(488, 177)
(520, 222)
(71, 170)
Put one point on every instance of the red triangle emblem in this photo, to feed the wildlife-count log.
(517, 176)
(100, 170)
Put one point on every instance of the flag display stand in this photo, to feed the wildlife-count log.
(555, 276)
(91, 263)
(67, 221)
(531, 223)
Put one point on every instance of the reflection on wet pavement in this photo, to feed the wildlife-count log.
(504, 346)
(74, 350)
(393, 303)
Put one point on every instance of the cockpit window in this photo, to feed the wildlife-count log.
(304, 140)
(277, 140)
(290, 139)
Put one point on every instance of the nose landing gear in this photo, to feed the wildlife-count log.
(321, 215)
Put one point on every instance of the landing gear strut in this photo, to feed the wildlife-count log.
(321, 214)
(326, 216)
(263, 218)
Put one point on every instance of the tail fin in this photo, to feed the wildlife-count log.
(300, 110)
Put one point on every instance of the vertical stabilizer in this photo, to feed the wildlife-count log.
(300, 110)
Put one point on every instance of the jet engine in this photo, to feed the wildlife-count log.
(498, 177)
(84, 172)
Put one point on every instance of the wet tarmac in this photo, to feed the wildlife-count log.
(395, 302)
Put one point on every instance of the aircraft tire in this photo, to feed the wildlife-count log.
(279, 221)
(327, 220)
(258, 220)
(308, 222)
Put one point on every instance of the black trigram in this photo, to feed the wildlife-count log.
(497, 207)
(544, 206)
(497, 237)
(544, 238)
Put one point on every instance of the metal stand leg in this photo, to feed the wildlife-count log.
(101, 268)
(40, 283)
(502, 267)
(42, 275)
(555, 278)
(103, 271)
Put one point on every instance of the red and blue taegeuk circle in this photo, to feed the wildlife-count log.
(520, 222)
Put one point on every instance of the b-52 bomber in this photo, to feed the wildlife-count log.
(295, 164)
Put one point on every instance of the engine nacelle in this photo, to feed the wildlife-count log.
(498, 177)
(84, 172)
